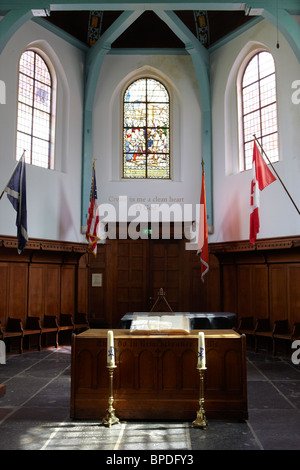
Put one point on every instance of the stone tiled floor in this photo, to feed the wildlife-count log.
(34, 413)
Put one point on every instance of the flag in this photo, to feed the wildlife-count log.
(262, 177)
(203, 236)
(16, 193)
(93, 217)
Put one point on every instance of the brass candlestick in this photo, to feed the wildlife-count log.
(110, 417)
(201, 420)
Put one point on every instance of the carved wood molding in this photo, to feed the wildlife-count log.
(280, 243)
(45, 245)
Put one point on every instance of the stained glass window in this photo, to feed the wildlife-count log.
(260, 107)
(34, 110)
(146, 131)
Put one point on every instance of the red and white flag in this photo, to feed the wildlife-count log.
(203, 235)
(93, 217)
(262, 177)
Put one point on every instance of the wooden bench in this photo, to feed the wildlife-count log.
(33, 328)
(282, 331)
(263, 329)
(66, 323)
(12, 329)
(50, 325)
(246, 326)
(81, 322)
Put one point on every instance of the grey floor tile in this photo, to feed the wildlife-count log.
(34, 413)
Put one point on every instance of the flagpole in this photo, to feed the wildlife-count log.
(12, 174)
(284, 187)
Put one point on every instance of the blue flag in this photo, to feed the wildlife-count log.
(16, 193)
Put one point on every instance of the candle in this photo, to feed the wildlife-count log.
(201, 351)
(110, 349)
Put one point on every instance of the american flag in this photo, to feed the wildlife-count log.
(93, 217)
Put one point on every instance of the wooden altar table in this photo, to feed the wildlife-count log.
(156, 376)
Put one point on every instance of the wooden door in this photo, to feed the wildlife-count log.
(131, 277)
(165, 270)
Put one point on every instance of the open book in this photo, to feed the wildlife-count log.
(164, 325)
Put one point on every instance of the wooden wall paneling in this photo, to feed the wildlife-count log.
(96, 296)
(131, 277)
(67, 292)
(228, 288)
(195, 289)
(4, 290)
(82, 285)
(278, 292)
(52, 290)
(293, 293)
(99, 298)
(260, 291)
(36, 290)
(244, 291)
(18, 285)
(252, 291)
(166, 267)
(210, 288)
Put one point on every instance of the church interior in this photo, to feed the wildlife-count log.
(150, 195)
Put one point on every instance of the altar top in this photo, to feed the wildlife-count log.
(125, 334)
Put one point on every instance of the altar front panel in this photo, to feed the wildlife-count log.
(156, 376)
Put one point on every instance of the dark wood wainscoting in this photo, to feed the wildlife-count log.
(262, 281)
(133, 271)
(53, 278)
(47, 278)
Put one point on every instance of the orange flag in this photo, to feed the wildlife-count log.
(203, 235)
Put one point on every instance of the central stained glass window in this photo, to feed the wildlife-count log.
(146, 132)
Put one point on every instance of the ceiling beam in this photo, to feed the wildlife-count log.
(93, 64)
(201, 61)
(122, 5)
(10, 24)
(287, 25)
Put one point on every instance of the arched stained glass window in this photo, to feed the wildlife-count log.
(259, 106)
(146, 130)
(35, 120)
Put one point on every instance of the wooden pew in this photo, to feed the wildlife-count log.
(33, 328)
(246, 326)
(81, 322)
(283, 331)
(66, 323)
(50, 325)
(263, 329)
(13, 329)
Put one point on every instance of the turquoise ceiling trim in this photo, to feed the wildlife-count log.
(61, 33)
(10, 24)
(236, 33)
(121, 5)
(201, 61)
(93, 64)
(287, 25)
